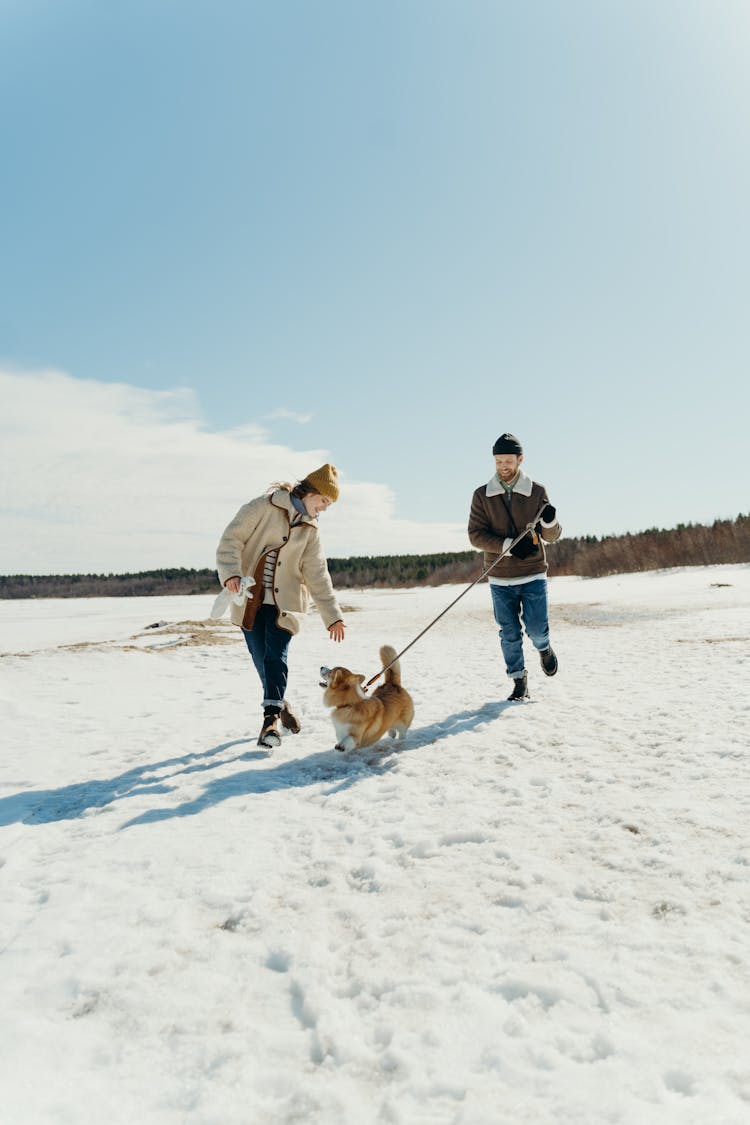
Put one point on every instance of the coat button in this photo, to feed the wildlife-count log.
(285, 538)
(276, 589)
(283, 613)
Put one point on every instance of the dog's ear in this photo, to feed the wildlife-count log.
(337, 676)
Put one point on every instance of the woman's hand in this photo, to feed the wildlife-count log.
(233, 584)
(336, 631)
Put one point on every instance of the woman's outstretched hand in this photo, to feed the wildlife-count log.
(336, 631)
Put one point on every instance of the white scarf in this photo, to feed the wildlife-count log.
(222, 603)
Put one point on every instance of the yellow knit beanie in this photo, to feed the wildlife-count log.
(325, 481)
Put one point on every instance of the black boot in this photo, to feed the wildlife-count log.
(520, 690)
(549, 661)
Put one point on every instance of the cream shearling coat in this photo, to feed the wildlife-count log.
(264, 525)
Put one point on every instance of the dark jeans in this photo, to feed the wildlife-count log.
(513, 604)
(268, 645)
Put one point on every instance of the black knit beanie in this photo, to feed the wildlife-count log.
(507, 443)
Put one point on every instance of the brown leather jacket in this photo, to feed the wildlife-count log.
(492, 523)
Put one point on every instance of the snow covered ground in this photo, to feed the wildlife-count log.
(524, 913)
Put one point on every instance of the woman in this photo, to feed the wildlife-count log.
(275, 539)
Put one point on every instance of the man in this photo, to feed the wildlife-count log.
(501, 510)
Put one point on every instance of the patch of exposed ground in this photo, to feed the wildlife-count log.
(159, 637)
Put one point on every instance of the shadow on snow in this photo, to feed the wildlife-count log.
(45, 806)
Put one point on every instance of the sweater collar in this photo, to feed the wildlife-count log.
(522, 486)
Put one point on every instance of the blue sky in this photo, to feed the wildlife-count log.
(373, 233)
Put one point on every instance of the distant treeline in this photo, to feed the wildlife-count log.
(724, 541)
(172, 580)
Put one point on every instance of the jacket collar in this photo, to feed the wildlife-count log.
(281, 499)
(523, 485)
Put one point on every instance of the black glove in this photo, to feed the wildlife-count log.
(549, 513)
(524, 548)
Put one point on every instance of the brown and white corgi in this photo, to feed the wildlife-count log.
(359, 719)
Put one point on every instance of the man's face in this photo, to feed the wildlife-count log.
(507, 465)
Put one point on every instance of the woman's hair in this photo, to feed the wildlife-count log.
(301, 489)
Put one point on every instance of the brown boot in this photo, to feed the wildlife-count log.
(269, 736)
(289, 720)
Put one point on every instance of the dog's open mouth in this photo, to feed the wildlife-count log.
(325, 674)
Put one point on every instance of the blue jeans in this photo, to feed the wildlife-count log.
(513, 605)
(268, 645)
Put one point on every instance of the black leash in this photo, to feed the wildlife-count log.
(529, 528)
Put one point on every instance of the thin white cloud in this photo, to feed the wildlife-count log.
(289, 416)
(108, 477)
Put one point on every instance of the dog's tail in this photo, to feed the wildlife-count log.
(393, 675)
